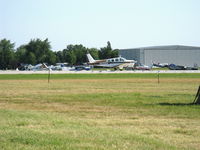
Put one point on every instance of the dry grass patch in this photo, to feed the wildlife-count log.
(124, 113)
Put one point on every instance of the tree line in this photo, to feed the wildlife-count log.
(39, 51)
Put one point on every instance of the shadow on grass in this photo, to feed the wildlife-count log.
(177, 104)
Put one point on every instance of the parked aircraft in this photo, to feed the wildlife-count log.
(178, 67)
(142, 67)
(160, 65)
(42, 66)
(118, 62)
(79, 68)
(174, 66)
(29, 67)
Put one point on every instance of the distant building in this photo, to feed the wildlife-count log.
(172, 54)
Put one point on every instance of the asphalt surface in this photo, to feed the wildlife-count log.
(97, 72)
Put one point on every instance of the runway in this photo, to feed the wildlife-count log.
(97, 72)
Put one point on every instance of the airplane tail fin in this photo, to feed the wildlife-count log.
(90, 58)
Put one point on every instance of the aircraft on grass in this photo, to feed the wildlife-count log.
(117, 63)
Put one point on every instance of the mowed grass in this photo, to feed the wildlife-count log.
(99, 111)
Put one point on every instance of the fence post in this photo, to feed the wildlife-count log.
(197, 97)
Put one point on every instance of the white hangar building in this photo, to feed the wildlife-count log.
(172, 54)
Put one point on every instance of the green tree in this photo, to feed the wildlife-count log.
(107, 52)
(80, 52)
(77, 53)
(115, 53)
(21, 54)
(71, 57)
(51, 58)
(65, 55)
(94, 52)
(59, 57)
(35, 52)
(40, 51)
(7, 55)
(31, 58)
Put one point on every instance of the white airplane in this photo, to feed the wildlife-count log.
(40, 67)
(118, 62)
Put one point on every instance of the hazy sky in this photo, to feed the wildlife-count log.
(125, 23)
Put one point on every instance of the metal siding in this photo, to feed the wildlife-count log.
(180, 55)
(130, 54)
(142, 56)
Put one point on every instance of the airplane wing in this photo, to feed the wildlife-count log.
(112, 65)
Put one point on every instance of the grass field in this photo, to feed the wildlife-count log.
(99, 112)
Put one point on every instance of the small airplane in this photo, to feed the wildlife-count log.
(142, 67)
(30, 67)
(178, 67)
(79, 68)
(160, 65)
(117, 63)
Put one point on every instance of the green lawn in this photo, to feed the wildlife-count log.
(97, 76)
(99, 111)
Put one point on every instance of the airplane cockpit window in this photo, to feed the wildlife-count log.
(121, 59)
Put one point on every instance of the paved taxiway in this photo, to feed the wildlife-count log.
(97, 72)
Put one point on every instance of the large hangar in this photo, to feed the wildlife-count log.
(172, 54)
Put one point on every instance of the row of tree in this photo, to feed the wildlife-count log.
(39, 51)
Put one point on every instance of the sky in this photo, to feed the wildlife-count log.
(125, 23)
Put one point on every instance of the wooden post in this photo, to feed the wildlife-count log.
(197, 97)
(49, 75)
(158, 77)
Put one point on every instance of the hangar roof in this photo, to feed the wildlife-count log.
(167, 47)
